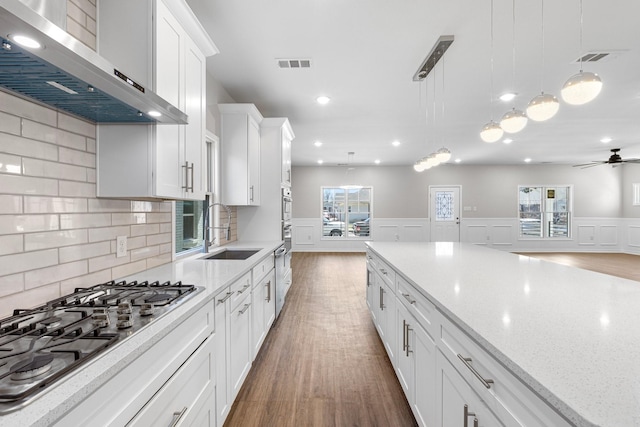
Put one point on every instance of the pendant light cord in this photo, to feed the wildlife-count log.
(491, 79)
(542, 46)
(581, 23)
(513, 47)
(442, 134)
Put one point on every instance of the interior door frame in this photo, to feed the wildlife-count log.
(459, 207)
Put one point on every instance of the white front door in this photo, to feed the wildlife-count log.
(444, 213)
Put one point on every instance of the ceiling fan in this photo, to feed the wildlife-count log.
(614, 160)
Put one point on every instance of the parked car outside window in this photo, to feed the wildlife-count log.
(361, 228)
(332, 228)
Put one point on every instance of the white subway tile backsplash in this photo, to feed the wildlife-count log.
(68, 286)
(128, 218)
(48, 169)
(45, 276)
(75, 125)
(166, 248)
(10, 264)
(81, 33)
(10, 204)
(91, 175)
(54, 239)
(146, 252)
(18, 184)
(143, 230)
(13, 224)
(10, 164)
(165, 227)
(91, 145)
(45, 133)
(20, 146)
(75, 157)
(87, 6)
(109, 205)
(77, 189)
(20, 107)
(91, 25)
(9, 123)
(129, 269)
(107, 261)
(84, 220)
(133, 243)
(75, 13)
(11, 244)
(91, 250)
(156, 239)
(107, 233)
(11, 284)
(137, 206)
(159, 260)
(29, 298)
(40, 204)
(154, 217)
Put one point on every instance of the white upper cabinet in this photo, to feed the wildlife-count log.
(240, 154)
(165, 48)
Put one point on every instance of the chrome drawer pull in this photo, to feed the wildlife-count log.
(468, 414)
(383, 271)
(268, 298)
(408, 298)
(467, 363)
(220, 301)
(244, 288)
(246, 307)
(177, 416)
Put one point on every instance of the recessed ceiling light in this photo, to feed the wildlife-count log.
(395, 143)
(318, 144)
(323, 100)
(320, 161)
(507, 140)
(509, 96)
(376, 161)
(606, 140)
(154, 113)
(457, 160)
(527, 160)
(26, 41)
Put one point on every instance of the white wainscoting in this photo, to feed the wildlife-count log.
(588, 235)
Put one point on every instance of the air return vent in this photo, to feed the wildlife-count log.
(294, 63)
(599, 56)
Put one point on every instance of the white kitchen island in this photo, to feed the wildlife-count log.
(567, 337)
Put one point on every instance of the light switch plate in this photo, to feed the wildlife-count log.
(121, 246)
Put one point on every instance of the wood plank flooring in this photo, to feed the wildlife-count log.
(323, 364)
(620, 265)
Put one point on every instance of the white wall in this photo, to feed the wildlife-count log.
(400, 208)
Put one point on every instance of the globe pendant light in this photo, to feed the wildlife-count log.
(582, 87)
(544, 106)
(491, 132)
(515, 120)
(418, 166)
(443, 155)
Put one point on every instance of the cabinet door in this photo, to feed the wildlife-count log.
(254, 163)
(406, 356)
(424, 392)
(223, 395)
(240, 344)
(389, 322)
(270, 301)
(258, 297)
(286, 158)
(457, 403)
(371, 287)
(195, 107)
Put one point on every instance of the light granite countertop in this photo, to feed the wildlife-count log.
(571, 335)
(213, 276)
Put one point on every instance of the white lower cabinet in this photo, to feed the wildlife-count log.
(240, 344)
(263, 307)
(223, 395)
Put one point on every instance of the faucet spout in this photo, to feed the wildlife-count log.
(227, 228)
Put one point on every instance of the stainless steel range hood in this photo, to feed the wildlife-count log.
(69, 76)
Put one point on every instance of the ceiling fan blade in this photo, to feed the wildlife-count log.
(631, 160)
(588, 165)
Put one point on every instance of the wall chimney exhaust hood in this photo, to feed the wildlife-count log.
(69, 76)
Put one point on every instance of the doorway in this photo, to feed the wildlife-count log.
(444, 213)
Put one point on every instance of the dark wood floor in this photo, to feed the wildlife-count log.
(322, 363)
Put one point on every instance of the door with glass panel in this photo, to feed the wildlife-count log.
(444, 213)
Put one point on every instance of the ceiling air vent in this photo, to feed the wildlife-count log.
(598, 56)
(294, 63)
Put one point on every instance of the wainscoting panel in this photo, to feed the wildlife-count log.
(609, 235)
(586, 235)
(634, 236)
(502, 235)
(303, 235)
(386, 233)
(478, 234)
(414, 233)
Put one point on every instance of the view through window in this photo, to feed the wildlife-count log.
(189, 225)
(346, 211)
(544, 211)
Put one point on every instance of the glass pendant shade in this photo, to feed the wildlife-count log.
(513, 121)
(542, 107)
(443, 155)
(581, 88)
(491, 132)
(418, 166)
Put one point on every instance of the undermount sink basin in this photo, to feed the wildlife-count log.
(239, 254)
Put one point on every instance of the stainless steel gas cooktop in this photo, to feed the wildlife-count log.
(41, 345)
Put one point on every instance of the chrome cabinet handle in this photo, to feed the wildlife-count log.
(280, 251)
(244, 288)
(408, 298)
(177, 416)
(381, 298)
(246, 307)
(191, 187)
(383, 271)
(404, 335)
(468, 414)
(220, 301)
(467, 362)
(268, 298)
(186, 176)
(408, 349)
(251, 193)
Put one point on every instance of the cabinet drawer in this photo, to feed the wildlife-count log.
(382, 268)
(261, 270)
(181, 399)
(240, 289)
(421, 308)
(507, 397)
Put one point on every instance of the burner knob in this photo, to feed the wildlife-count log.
(124, 308)
(101, 320)
(146, 309)
(124, 321)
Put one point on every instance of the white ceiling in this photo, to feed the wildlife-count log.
(364, 54)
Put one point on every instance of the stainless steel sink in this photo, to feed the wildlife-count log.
(228, 254)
